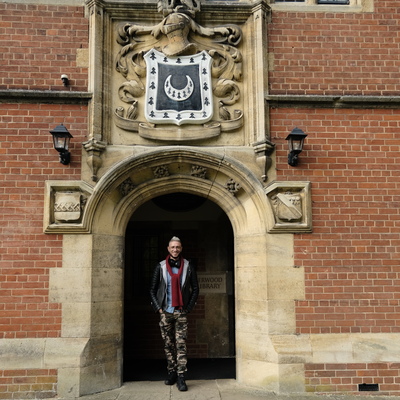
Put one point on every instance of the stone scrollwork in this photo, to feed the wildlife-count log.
(227, 68)
(178, 35)
(291, 207)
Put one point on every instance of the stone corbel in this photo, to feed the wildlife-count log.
(290, 204)
(263, 150)
(94, 149)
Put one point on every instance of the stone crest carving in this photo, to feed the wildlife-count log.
(291, 207)
(179, 73)
(65, 206)
(287, 206)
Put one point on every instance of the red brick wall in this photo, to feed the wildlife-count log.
(352, 275)
(38, 43)
(27, 160)
(28, 384)
(336, 53)
(347, 377)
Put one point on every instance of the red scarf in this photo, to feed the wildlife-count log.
(175, 284)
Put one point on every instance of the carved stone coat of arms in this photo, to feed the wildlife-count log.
(179, 73)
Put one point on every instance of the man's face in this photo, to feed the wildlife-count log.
(174, 249)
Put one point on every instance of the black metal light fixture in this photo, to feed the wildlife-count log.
(296, 142)
(61, 138)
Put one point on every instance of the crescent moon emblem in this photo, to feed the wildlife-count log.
(178, 94)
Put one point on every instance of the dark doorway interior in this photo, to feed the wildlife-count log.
(207, 239)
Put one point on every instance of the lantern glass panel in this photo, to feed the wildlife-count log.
(61, 143)
(297, 144)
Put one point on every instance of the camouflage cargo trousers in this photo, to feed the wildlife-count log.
(174, 333)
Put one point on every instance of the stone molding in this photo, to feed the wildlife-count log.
(333, 101)
(44, 96)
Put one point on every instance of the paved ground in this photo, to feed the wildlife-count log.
(224, 389)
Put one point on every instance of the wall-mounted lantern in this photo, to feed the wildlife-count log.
(61, 138)
(296, 142)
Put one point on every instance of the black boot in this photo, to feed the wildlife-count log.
(171, 378)
(182, 387)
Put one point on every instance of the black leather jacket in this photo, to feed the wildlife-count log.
(189, 287)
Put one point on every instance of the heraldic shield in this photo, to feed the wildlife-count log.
(178, 89)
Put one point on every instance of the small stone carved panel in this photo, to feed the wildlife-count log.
(291, 207)
(65, 203)
(287, 206)
(67, 206)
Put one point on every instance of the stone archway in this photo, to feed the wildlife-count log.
(94, 263)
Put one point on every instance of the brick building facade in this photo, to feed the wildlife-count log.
(316, 300)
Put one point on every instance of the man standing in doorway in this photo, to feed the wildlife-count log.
(174, 290)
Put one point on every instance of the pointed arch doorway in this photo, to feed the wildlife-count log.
(207, 237)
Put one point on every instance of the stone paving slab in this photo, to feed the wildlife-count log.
(224, 389)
